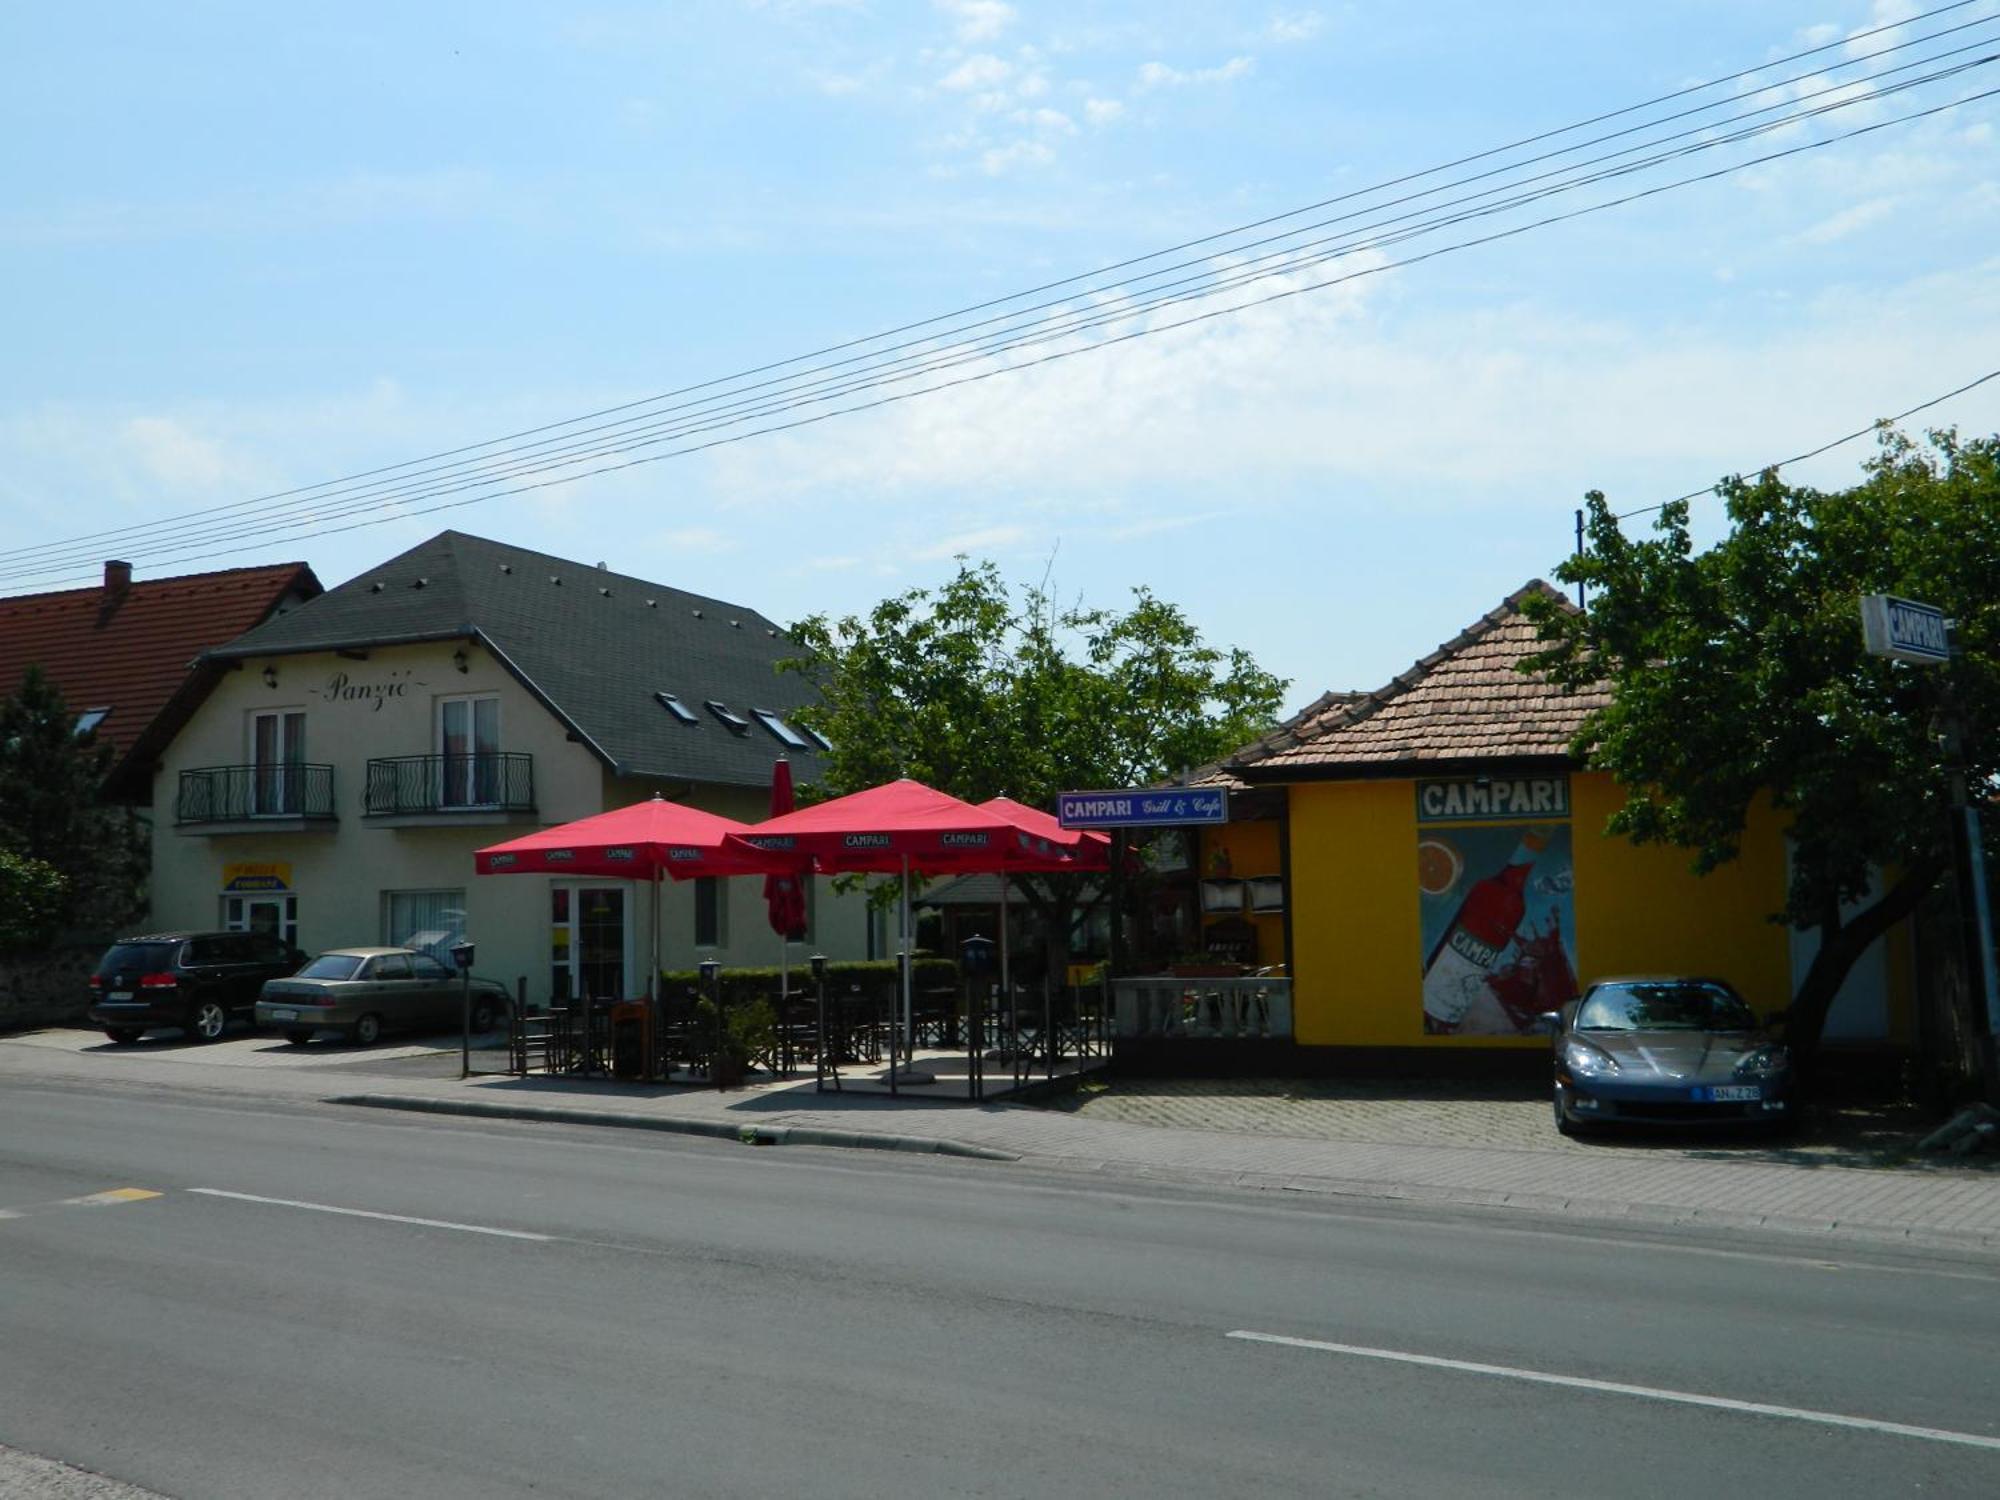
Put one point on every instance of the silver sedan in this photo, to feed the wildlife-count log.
(364, 992)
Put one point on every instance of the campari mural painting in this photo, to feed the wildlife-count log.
(1493, 867)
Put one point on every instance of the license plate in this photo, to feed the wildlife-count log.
(120, 995)
(284, 1015)
(1730, 1093)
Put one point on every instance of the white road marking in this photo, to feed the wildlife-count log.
(369, 1213)
(1619, 1388)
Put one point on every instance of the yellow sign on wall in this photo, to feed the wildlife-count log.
(266, 875)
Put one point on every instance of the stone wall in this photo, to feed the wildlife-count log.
(46, 989)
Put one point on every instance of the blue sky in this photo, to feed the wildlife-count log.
(246, 253)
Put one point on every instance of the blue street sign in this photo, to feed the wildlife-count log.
(1142, 807)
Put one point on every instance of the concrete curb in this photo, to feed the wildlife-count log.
(721, 1130)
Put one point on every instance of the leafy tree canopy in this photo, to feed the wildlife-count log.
(1739, 672)
(979, 689)
(50, 777)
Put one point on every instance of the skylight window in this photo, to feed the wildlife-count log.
(90, 718)
(784, 732)
(735, 723)
(673, 705)
(819, 739)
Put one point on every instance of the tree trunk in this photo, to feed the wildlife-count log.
(1841, 945)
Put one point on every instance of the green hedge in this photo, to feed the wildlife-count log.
(869, 976)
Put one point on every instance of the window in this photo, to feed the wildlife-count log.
(390, 966)
(277, 752)
(332, 966)
(89, 719)
(711, 913)
(426, 967)
(469, 751)
(426, 921)
(784, 732)
(734, 723)
(673, 705)
(819, 739)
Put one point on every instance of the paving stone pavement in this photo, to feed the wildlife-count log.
(1419, 1146)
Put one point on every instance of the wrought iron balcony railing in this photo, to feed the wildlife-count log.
(233, 794)
(498, 781)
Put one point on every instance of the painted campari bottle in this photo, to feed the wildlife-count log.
(1480, 931)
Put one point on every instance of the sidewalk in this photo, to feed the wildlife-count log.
(1941, 1208)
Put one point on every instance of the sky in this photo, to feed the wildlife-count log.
(249, 251)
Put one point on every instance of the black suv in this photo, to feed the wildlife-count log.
(193, 980)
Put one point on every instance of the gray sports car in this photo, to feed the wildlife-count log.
(1666, 1051)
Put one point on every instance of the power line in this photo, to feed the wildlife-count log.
(1210, 239)
(748, 406)
(1827, 447)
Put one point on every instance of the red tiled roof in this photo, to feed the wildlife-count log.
(131, 652)
(1464, 702)
(1311, 719)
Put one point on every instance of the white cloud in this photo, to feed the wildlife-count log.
(181, 460)
(1001, 159)
(978, 20)
(1053, 120)
(980, 539)
(1102, 111)
(980, 71)
(1155, 75)
(1848, 221)
(697, 539)
(1302, 26)
(1889, 13)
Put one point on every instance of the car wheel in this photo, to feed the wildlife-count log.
(1564, 1124)
(298, 1038)
(482, 1016)
(208, 1020)
(366, 1032)
(124, 1036)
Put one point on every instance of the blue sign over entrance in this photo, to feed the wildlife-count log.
(1142, 807)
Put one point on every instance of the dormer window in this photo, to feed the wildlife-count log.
(783, 732)
(734, 723)
(673, 705)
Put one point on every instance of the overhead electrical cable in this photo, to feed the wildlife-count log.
(401, 490)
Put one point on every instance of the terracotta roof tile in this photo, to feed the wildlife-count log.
(131, 652)
(1465, 701)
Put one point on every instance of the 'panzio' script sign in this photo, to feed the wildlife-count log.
(1489, 799)
(340, 688)
(1142, 807)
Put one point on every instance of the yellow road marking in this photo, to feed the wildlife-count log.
(88, 1200)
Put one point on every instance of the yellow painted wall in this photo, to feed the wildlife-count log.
(1356, 928)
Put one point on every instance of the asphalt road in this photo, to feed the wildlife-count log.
(328, 1302)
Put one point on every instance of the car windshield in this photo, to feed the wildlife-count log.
(1664, 1006)
(331, 966)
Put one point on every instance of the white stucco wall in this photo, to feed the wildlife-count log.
(386, 705)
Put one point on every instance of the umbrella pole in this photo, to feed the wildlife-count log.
(1006, 979)
(785, 1003)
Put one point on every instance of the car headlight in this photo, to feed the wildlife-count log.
(1587, 1061)
(1765, 1062)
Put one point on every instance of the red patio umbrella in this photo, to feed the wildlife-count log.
(640, 842)
(784, 893)
(896, 829)
(1078, 849)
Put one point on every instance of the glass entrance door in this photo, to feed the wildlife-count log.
(589, 942)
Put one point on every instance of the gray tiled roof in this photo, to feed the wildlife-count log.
(1465, 702)
(595, 646)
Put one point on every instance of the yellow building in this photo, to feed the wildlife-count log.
(1446, 874)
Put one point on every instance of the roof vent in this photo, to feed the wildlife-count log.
(600, 566)
(420, 583)
(696, 613)
(652, 604)
(556, 579)
(605, 592)
(506, 567)
(375, 587)
(735, 624)
(772, 632)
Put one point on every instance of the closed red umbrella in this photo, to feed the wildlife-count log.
(784, 893)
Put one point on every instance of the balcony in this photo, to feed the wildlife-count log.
(288, 797)
(432, 791)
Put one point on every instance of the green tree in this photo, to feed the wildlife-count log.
(1738, 673)
(980, 689)
(32, 898)
(50, 812)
